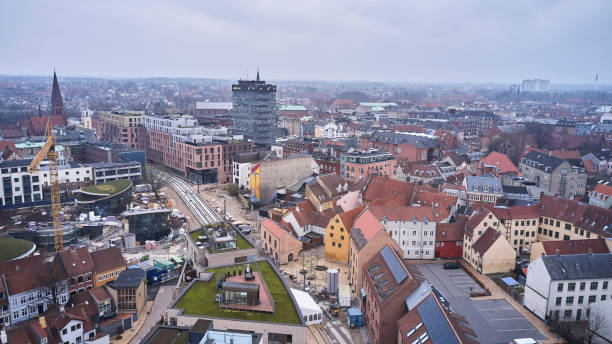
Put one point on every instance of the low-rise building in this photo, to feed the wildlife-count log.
(360, 165)
(563, 177)
(79, 267)
(487, 251)
(338, 235)
(108, 171)
(601, 196)
(279, 243)
(218, 244)
(449, 239)
(487, 189)
(562, 287)
(109, 263)
(129, 292)
(565, 247)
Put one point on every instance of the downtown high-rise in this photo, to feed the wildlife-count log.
(254, 111)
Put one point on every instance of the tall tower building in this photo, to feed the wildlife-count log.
(254, 110)
(57, 103)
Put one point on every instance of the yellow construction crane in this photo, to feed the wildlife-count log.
(48, 151)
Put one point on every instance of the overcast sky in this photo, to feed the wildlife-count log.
(414, 41)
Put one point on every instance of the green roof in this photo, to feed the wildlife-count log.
(292, 108)
(11, 248)
(241, 242)
(108, 189)
(199, 299)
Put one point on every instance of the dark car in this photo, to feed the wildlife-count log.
(451, 266)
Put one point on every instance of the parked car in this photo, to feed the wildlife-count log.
(451, 266)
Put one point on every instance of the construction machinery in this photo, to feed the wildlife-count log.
(48, 151)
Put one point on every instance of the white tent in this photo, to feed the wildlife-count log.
(310, 310)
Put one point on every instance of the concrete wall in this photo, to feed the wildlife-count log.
(281, 173)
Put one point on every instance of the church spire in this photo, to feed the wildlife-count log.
(257, 73)
(57, 104)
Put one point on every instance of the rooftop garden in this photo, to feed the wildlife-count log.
(12, 247)
(108, 189)
(200, 298)
(241, 242)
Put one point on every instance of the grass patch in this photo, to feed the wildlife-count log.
(12, 247)
(110, 188)
(242, 243)
(200, 299)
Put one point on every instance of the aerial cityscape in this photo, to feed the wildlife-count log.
(262, 172)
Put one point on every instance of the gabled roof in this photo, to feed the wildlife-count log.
(334, 183)
(500, 162)
(108, 259)
(603, 189)
(274, 228)
(130, 278)
(402, 213)
(348, 217)
(565, 154)
(381, 188)
(452, 231)
(541, 161)
(389, 274)
(517, 213)
(476, 218)
(318, 192)
(76, 261)
(578, 266)
(589, 217)
(575, 246)
(367, 224)
(486, 240)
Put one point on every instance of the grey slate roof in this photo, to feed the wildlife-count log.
(477, 183)
(542, 161)
(396, 138)
(578, 266)
(129, 278)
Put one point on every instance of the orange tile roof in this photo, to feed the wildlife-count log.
(348, 217)
(604, 189)
(501, 162)
(368, 224)
(488, 238)
(274, 228)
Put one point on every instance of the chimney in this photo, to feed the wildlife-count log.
(557, 252)
(43, 322)
(590, 251)
(61, 309)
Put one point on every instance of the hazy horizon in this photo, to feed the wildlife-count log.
(435, 42)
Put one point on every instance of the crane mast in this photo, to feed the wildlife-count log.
(48, 151)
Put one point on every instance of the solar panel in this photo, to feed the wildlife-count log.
(437, 327)
(394, 265)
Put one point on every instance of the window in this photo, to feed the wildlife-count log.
(592, 298)
(339, 245)
(99, 278)
(560, 287)
(567, 313)
(580, 299)
(571, 286)
(603, 297)
(333, 243)
(569, 300)
(582, 285)
(594, 285)
(558, 301)
(605, 285)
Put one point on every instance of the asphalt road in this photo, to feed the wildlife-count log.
(493, 320)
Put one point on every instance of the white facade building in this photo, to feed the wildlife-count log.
(564, 286)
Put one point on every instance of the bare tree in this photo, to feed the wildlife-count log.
(596, 323)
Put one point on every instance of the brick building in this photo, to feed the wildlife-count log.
(122, 127)
(364, 164)
(402, 146)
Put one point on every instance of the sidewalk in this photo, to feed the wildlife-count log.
(127, 336)
(498, 293)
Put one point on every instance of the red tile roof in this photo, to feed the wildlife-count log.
(575, 246)
(486, 240)
(402, 213)
(76, 261)
(604, 189)
(476, 218)
(589, 166)
(588, 217)
(565, 154)
(500, 162)
(452, 231)
(519, 212)
(439, 201)
(108, 259)
(348, 217)
(274, 228)
(381, 188)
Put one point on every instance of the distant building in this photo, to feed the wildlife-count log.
(364, 164)
(410, 147)
(213, 108)
(563, 177)
(535, 85)
(122, 127)
(601, 196)
(254, 112)
(487, 189)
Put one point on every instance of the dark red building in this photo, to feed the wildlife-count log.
(298, 147)
(327, 164)
(449, 239)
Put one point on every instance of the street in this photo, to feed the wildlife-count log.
(161, 303)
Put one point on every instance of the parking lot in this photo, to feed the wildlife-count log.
(493, 320)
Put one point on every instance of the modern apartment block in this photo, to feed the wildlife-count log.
(122, 127)
(566, 178)
(562, 287)
(364, 164)
(254, 112)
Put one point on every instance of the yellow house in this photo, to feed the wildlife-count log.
(491, 253)
(108, 264)
(338, 235)
(318, 197)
